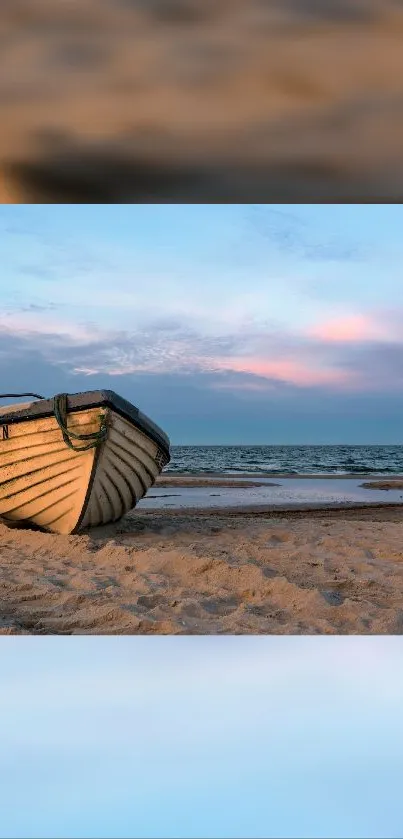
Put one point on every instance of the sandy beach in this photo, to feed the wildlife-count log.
(210, 571)
(191, 99)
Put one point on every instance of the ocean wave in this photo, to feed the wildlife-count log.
(291, 460)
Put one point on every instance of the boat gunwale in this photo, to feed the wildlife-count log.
(88, 400)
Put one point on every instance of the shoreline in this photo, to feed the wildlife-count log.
(171, 479)
(372, 510)
(264, 495)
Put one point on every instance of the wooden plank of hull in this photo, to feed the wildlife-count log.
(126, 468)
(42, 481)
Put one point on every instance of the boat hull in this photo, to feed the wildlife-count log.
(127, 466)
(44, 483)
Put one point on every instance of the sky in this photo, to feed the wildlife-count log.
(201, 737)
(236, 323)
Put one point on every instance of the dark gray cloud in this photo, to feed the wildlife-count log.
(374, 362)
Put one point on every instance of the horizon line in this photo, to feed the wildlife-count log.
(282, 445)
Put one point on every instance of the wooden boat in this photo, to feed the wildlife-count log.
(76, 460)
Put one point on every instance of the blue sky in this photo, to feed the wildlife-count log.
(226, 323)
(201, 737)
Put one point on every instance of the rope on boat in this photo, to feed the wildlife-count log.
(95, 438)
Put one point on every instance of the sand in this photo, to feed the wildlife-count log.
(209, 572)
(211, 482)
(383, 484)
(159, 100)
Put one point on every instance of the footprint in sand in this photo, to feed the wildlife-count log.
(278, 539)
(106, 582)
(149, 601)
(334, 598)
(56, 581)
(269, 572)
(191, 610)
(267, 610)
(221, 606)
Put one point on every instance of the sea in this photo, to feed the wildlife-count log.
(291, 460)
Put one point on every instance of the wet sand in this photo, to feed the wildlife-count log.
(222, 100)
(384, 485)
(185, 492)
(209, 572)
(179, 481)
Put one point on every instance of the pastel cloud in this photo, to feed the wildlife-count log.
(347, 329)
(332, 355)
(288, 370)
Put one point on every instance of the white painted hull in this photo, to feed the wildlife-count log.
(125, 470)
(44, 483)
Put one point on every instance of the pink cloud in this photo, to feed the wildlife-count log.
(314, 359)
(288, 370)
(347, 329)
